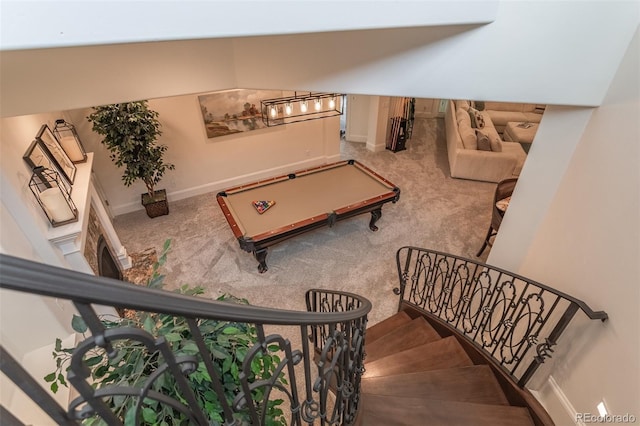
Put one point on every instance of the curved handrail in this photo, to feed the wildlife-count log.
(25, 275)
(511, 319)
(594, 315)
(330, 350)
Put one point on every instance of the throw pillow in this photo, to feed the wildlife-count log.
(479, 120)
(479, 105)
(496, 145)
(484, 143)
(476, 117)
(472, 116)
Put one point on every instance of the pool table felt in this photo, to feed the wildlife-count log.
(308, 195)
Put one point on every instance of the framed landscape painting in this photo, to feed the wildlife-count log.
(233, 111)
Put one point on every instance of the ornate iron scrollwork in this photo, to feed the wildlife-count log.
(501, 313)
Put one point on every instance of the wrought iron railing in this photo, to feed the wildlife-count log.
(510, 318)
(316, 383)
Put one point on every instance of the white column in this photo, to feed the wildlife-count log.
(110, 233)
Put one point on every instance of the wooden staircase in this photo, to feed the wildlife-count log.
(418, 373)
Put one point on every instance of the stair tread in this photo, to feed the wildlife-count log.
(386, 326)
(386, 410)
(444, 353)
(475, 383)
(409, 335)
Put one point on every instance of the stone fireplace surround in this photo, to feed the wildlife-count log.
(78, 241)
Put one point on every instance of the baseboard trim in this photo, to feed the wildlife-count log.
(356, 138)
(230, 182)
(376, 147)
(557, 398)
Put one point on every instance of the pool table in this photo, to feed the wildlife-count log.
(304, 200)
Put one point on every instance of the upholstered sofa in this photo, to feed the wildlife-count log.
(466, 161)
(503, 112)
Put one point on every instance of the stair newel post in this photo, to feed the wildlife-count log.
(545, 348)
(403, 274)
(306, 359)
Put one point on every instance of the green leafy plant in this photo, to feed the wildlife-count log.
(130, 131)
(228, 343)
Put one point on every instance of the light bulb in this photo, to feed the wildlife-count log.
(332, 102)
(288, 108)
(303, 106)
(318, 104)
(274, 111)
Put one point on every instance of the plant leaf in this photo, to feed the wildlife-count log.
(173, 337)
(130, 417)
(149, 324)
(94, 360)
(149, 415)
(189, 348)
(78, 324)
(50, 377)
(156, 282)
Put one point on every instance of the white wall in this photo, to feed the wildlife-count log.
(545, 52)
(93, 23)
(357, 118)
(42, 80)
(585, 240)
(27, 322)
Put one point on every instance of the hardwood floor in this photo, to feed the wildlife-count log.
(413, 376)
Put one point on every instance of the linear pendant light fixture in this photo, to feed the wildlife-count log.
(297, 108)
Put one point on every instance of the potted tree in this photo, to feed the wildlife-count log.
(130, 131)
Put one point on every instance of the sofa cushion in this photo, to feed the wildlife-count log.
(489, 128)
(506, 106)
(532, 117)
(467, 134)
(462, 104)
(484, 143)
(461, 115)
(496, 144)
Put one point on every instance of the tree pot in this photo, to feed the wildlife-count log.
(156, 205)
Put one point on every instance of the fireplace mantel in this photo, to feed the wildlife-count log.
(70, 239)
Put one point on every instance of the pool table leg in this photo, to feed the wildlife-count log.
(375, 215)
(261, 257)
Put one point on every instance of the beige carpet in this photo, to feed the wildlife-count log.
(434, 211)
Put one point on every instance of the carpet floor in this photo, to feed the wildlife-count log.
(435, 211)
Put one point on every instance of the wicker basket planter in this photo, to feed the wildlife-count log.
(156, 205)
